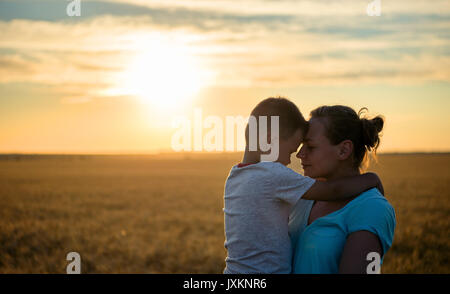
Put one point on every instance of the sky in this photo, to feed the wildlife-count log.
(114, 79)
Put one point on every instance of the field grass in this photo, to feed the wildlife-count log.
(158, 214)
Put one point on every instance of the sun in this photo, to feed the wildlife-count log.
(162, 75)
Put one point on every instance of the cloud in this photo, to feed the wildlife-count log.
(75, 100)
(255, 46)
(297, 7)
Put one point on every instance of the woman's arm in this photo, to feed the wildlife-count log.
(354, 257)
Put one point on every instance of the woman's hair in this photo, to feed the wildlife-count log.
(343, 123)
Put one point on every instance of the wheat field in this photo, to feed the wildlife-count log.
(163, 213)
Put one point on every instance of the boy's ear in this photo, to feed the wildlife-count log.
(345, 149)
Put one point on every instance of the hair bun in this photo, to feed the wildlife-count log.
(371, 129)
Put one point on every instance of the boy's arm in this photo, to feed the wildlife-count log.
(343, 188)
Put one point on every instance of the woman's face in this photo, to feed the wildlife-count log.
(319, 157)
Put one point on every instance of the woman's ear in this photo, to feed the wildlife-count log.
(345, 149)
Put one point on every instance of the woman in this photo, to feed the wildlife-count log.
(345, 236)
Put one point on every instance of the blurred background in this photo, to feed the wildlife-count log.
(88, 103)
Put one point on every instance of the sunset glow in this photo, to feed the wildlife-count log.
(162, 74)
(112, 79)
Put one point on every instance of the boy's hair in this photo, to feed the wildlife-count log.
(290, 117)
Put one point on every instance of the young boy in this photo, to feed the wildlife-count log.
(259, 195)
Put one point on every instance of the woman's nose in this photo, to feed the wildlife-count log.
(301, 154)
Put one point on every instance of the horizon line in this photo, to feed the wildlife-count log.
(182, 153)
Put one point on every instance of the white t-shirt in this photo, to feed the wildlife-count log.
(258, 200)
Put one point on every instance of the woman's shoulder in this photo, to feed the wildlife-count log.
(372, 202)
(372, 195)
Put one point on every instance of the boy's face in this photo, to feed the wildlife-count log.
(289, 146)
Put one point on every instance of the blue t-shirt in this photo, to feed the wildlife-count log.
(319, 247)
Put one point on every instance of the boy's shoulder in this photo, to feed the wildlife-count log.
(273, 170)
(263, 166)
